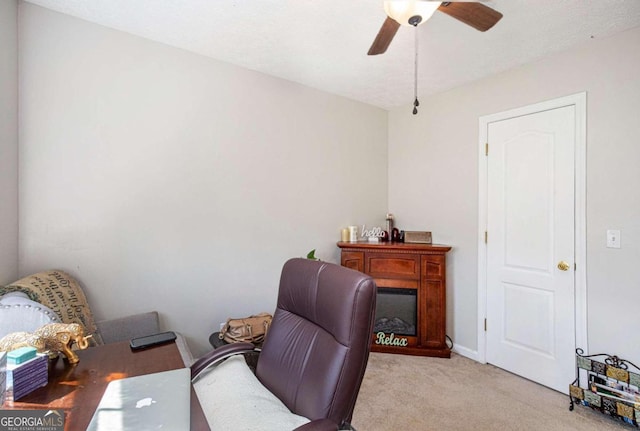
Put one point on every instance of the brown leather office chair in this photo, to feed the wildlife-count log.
(316, 350)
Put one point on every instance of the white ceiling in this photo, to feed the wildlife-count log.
(324, 43)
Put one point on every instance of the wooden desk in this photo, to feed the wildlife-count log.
(77, 389)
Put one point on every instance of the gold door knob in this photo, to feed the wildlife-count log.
(563, 266)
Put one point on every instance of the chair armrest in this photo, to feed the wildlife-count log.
(318, 425)
(218, 355)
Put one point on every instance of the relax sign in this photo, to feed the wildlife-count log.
(383, 339)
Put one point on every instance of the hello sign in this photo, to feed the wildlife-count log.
(373, 233)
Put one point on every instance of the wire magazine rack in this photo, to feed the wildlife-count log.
(608, 384)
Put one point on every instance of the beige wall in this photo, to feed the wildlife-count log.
(8, 140)
(433, 178)
(169, 181)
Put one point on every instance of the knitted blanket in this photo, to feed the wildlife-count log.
(61, 293)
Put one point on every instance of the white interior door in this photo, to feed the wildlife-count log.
(530, 279)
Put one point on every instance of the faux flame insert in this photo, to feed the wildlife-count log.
(396, 311)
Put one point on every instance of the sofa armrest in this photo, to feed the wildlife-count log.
(139, 325)
(126, 328)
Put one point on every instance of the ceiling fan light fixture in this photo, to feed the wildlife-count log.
(402, 11)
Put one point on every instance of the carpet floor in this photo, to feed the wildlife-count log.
(401, 392)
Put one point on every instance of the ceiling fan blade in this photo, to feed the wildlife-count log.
(384, 37)
(476, 15)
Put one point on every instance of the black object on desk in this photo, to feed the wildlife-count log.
(145, 342)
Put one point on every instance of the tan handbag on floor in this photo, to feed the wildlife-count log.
(251, 329)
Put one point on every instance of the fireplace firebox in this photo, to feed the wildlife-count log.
(396, 311)
(411, 302)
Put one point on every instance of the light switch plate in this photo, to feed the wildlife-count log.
(613, 238)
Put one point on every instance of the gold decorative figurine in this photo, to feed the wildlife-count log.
(52, 338)
(58, 337)
(15, 340)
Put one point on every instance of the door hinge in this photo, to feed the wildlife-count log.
(485, 324)
(486, 236)
(486, 149)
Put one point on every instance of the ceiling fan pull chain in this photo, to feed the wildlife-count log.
(415, 86)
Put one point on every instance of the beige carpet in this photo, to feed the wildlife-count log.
(402, 392)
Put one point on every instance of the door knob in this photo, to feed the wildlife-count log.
(563, 266)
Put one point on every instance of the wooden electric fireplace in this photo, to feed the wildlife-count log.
(411, 304)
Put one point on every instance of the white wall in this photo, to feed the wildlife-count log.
(169, 181)
(8, 141)
(433, 178)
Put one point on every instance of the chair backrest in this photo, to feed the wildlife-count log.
(315, 353)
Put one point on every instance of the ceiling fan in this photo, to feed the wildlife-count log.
(414, 12)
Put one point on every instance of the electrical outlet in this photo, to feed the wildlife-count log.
(613, 238)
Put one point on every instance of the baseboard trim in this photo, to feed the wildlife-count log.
(466, 352)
